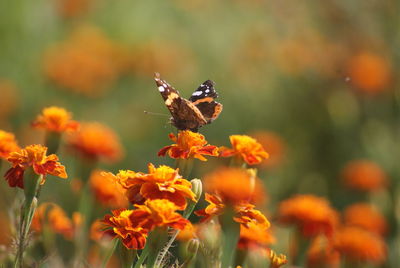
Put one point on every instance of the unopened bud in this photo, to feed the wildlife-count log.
(193, 246)
(197, 187)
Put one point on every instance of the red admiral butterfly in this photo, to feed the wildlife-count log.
(199, 110)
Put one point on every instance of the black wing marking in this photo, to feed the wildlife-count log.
(204, 99)
(205, 90)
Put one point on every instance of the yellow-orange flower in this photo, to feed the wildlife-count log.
(254, 236)
(364, 175)
(246, 147)
(107, 190)
(33, 156)
(235, 185)
(277, 260)
(188, 145)
(365, 216)
(53, 216)
(8, 144)
(159, 183)
(369, 72)
(96, 141)
(359, 245)
(121, 224)
(187, 233)
(55, 119)
(322, 254)
(214, 208)
(313, 215)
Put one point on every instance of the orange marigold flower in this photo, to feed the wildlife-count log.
(254, 236)
(124, 226)
(159, 213)
(8, 144)
(359, 245)
(96, 141)
(322, 254)
(160, 183)
(55, 119)
(277, 260)
(365, 216)
(97, 231)
(235, 185)
(246, 147)
(369, 72)
(188, 145)
(313, 215)
(33, 156)
(364, 175)
(276, 148)
(107, 190)
(49, 214)
(215, 207)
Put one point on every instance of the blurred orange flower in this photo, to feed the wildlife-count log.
(96, 141)
(8, 144)
(277, 260)
(53, 216)
(246, 147)
(312, 215)
(86, 63)
(365, 216)
(121, 224)
(235, 186)
(33, 156)
(364, 175)
(359, 245)
(188, 144)
(322, 254)
(275, 145)
(160, 183)
(369, 72)
(73, 8)
(55, 119)
(9, 97)
(189, 232)
(107, 190)
(254, 236)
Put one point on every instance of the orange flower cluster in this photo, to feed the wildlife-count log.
(159, 183)
(245, 147)
(33, 156)
(8, 144)
(188, 145)
(365, 216)
(132, 226)
(107, 191)
(55, 119)
(87, 63)
(364, 175)
(96, 141)
(312, 215)
(53, 216)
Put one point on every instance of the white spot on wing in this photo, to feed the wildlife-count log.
(161, 89)
(197, 93)
(207, 90)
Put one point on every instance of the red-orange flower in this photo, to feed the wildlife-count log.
(365, 216)
(364, 175)
(8, 144)
(55, 119)
(159, 183)
(188, 145)
(246, 147)
(214, 208)
(124, 226)
(33, 156)
(96, 141)
(322, 254)
(54, 217)
(235, 185)
(313, 215)
(107, 190)
(359, 245)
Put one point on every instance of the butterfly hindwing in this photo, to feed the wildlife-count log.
(204, 99)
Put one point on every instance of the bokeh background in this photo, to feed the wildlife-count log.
(315, 81)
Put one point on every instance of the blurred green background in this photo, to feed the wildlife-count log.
(320, 77)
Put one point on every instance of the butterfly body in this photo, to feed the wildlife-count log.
(200, 109)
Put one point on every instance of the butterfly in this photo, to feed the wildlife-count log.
(199, 110)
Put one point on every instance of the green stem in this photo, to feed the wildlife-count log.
(185, 167)
(52, 141)
(143, 256)
(127, 256)
(157, 239)
(231, 231)
(109, 253)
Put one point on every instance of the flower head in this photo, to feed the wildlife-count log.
(364, 175)
(322, 254)
(246, 147)
(8, 144)
(96, 141)
(311, 214)
(55, 119)
(188, 144)
(33, 156)
(359, 245)
(159, 183)
(234, 185)
(107, 190)
(121, 224)
(365, 216)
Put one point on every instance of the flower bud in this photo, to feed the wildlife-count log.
(193, 246)
(197, 187)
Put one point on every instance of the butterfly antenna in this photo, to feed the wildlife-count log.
(158, 114)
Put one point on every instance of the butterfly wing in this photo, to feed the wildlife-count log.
(204, 99)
